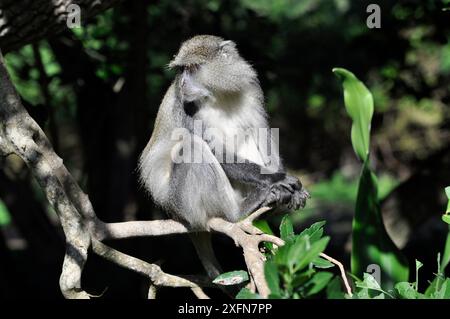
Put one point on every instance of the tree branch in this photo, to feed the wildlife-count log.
(23, 22)
(249, 237)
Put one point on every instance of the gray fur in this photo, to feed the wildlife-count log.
(223, 91)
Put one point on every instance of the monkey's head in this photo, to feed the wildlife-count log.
(208, 65)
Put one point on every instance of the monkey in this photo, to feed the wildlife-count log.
(214, 98)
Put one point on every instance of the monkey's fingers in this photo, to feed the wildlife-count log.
(293, 181)
(287, 187)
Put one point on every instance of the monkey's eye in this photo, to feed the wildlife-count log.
(191, 68)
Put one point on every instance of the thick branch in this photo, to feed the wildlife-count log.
(23, 22)
(138, 229)
(249, 237)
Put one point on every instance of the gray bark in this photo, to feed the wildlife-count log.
(27, 21)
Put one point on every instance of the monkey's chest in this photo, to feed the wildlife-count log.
(235, 132)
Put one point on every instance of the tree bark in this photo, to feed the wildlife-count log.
(27, 21)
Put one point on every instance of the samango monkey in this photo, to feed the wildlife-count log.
(214, 98)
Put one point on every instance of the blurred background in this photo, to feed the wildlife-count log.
(96, 91)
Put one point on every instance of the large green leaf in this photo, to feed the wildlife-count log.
(370, 242)
(359, 105)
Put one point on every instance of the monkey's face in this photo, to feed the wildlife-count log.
(209, 65)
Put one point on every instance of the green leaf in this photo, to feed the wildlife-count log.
(368, 286)
(318, 282)
(231, 278)
(443, 292)
(437, 281)
(263, 225)
(405, 290)
(302, 277)
(297, 251)
(446, 256)
(359, 105)
(286, 229)
(245, 293)
(282, 255)
(334, 290)
(368, 282)
(5, 217)
(271, 274)
(319, 262)
(312, 253)
(446, 218)
(371, 243)
(314, 232)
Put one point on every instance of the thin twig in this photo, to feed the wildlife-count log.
(341, 268)
(199, 293)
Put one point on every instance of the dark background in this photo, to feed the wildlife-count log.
(96, 91)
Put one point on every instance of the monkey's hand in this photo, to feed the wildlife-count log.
(287, 194)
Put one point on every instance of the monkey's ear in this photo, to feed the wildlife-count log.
(227, 44)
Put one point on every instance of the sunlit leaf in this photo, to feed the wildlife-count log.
(319, 262)
(286, 229)
(359, 105)
(370, 242)
(405, 290)
(314, 232)
(312, 253)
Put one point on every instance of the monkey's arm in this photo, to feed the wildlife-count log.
(276, 188)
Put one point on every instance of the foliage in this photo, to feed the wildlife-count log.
(296, 269)
(370, 242)
(5, 217)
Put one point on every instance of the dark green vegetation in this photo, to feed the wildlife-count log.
(291, 271)
(96, 90)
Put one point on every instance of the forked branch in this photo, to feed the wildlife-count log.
(21, 135)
